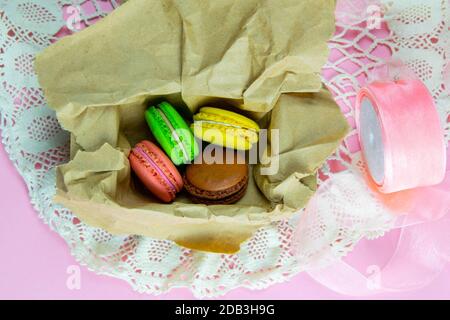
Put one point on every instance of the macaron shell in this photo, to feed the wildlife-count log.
(219, 135)
(151, 178)
(219, 183)
(225, 128)
(164, 135)
(233, 198)
(183, 130)
(216, 177)
(165, 164)
(210, 113)
(226, 196)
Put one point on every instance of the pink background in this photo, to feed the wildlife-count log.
(34, 261)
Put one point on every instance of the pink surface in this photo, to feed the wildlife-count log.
(36, 261)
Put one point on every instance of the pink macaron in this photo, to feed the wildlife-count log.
(156, 171)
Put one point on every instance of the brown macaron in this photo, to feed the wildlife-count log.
(219, 182)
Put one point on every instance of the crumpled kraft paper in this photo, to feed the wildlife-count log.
(263, 57)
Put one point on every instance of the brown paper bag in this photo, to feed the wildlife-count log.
(263, 57)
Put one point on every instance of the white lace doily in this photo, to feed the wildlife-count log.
(36, 144)
(421, 39)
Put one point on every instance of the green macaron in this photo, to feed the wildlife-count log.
(172, 133)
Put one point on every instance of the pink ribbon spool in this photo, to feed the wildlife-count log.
(401, 137)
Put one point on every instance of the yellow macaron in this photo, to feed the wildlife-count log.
(225, 128)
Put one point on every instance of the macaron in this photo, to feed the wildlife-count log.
(217, 182)
(172, 133)
(225, 128)
(156, 171)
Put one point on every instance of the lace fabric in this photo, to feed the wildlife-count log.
(36, 144)
(421, 39)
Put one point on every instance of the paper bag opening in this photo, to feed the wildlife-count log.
(261, 57)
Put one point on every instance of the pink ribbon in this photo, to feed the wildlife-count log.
(411, 134)
(421, 248)
(421, 253)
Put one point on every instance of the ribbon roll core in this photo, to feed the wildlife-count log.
(401, 138)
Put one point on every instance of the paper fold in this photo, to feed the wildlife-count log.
(263, 57)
